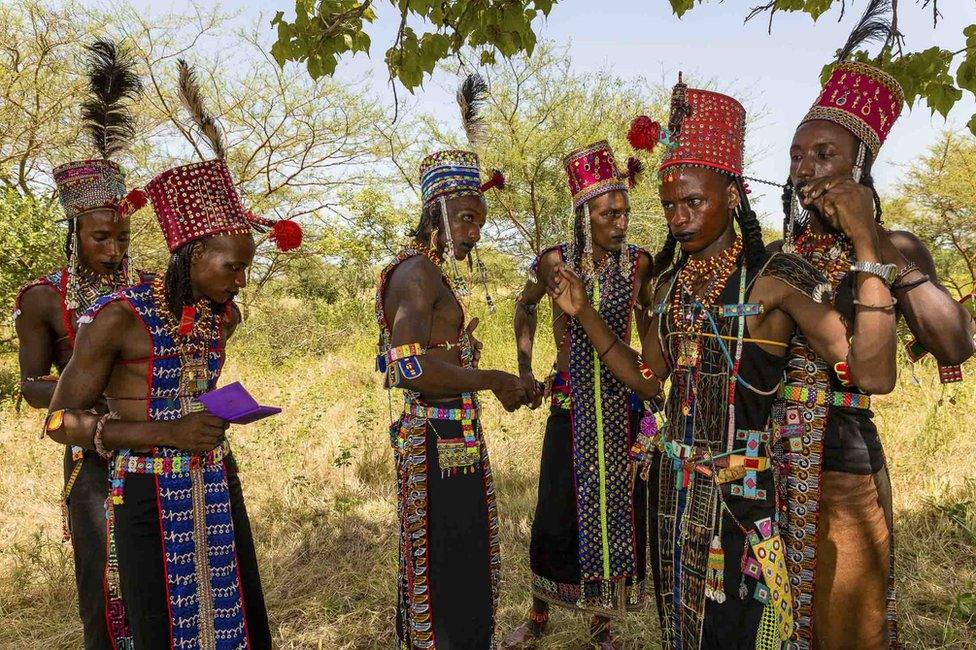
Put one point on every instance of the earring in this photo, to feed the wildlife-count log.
(434, 234)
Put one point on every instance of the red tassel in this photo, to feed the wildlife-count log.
(286, 234)
(134, 201)
(187, 318)
(496, 181)
(644, 133)
(634, 167)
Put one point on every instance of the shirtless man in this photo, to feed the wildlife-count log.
(449, 547)
(185, 556)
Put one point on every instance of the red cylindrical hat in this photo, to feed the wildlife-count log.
(195, 201)
(708, 129)
(592, 171)
(861, 98)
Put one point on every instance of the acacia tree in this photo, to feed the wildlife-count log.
(926, 75)
(937, 202)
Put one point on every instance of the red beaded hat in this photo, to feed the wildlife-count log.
(592, 171)
(707, 129)
(861, 98)
(195, 201)
(200, 199)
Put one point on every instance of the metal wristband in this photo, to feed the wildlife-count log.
(887, 272)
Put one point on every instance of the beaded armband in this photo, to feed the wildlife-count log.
(401, 362)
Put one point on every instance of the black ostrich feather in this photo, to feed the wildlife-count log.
(113, 84)
(875, 25)
(471, 97)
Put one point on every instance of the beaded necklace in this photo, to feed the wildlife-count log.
(717, 270)
(192, 347)
(85, 286)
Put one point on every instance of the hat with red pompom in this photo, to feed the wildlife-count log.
(200, 199)
(592, 171)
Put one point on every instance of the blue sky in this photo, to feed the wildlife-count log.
(642, 38)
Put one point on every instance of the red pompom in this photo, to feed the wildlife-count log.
(286, 234)
(134, 201)
(644, 133)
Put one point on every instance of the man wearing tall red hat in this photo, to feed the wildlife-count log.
(589, 531)
(839, 525)
(179, 532)
(450, 561)
(96, 208)
(724, 312)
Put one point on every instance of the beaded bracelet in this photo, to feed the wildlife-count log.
(97, 443)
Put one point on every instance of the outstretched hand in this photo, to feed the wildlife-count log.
(566, 288)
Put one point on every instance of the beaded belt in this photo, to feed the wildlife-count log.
(439, 413)
(819, 397)
(180, 463)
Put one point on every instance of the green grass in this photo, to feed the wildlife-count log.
(320, 491)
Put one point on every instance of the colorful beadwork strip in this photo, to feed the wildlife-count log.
(404, 351)
(178, 463)
(806, 395)
(468, 412)
(735, 311)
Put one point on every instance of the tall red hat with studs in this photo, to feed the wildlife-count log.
(705, 129)
(861, 98)
(200, 199)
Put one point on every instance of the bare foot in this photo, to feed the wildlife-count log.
(524, 636)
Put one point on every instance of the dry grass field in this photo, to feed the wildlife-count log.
(319, 485)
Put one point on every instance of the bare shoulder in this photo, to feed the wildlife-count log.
(412, 274)
(231, 318)
(645, 265)
(775, 246)
(38, 300)
(115, 316)
(909, 244)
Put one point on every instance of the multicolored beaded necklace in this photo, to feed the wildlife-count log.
(716, 270)
(191, 334)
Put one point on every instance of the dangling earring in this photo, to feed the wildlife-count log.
(587, 261)
(483, 272)
(72, 298)
(859, 162)
(434, 234)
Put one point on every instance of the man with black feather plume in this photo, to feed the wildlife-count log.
(837, 490)
(185, 555)
(96, 210)
(449, 538)
(571, 565)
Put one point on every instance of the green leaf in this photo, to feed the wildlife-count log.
(966, 74)
(972, 124)
(681, 7)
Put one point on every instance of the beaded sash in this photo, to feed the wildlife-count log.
(206, 605)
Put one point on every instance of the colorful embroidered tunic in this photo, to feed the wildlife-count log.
(588, 533)
(721, 578)
(204, 578)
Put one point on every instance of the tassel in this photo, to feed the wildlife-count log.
(644, 133)
(187, 319)
(134, 201)
(497, 181)
(715, 573)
